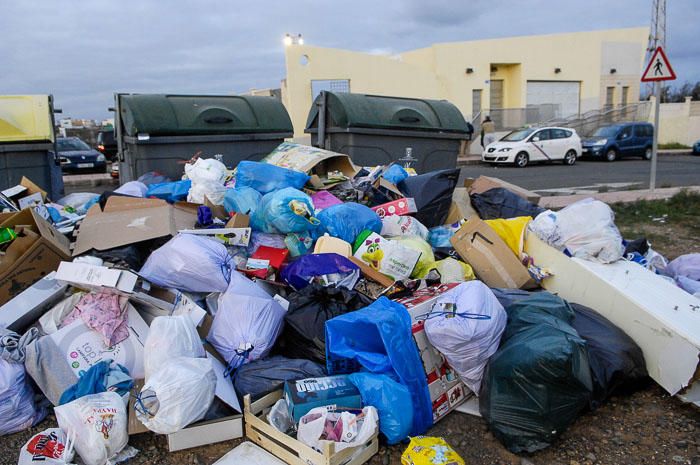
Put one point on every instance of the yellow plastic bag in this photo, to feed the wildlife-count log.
(511, 231)
(426, 450)
(427, 258)
(453, 271)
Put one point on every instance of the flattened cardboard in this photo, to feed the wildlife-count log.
(36, 261)
(493, 262)
(22, 311)
(484, 183)
(127, 220)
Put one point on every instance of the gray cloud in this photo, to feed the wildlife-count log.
(84, 52)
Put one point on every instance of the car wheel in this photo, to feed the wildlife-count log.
(611, 155)
(570, 158)
(647, 153)
(521, 160)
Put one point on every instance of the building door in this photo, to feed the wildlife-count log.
(609, 97)
(476, 102)
(625, 95)
(496, 101)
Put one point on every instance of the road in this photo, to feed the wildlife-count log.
(672, 171)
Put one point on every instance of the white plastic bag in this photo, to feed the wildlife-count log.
(50, 321)
(176, 395)
(394, 225)
(170, 337)
(247, 322)
(98, 424)
(353, 430)
(17, 409)
(207, 176)
(585, 228)
(50, 447)
(279, 417)
(465, 325)
(190, 263)
(132, 188)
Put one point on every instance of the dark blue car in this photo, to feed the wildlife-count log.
(696, 148)
(620, 140)
(76, 155)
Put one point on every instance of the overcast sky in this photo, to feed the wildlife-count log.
(82, 52)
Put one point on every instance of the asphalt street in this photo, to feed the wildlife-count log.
(672, 171)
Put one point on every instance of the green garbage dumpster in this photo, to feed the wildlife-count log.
(377, 130)
(27, 143)
(158, 132)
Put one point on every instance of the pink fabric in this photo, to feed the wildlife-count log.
(324, 199)
(104, 313)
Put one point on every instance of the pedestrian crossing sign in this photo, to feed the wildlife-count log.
(658, 68)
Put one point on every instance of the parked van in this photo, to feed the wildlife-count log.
(620, 140)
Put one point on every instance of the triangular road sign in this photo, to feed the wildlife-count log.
(658, 68)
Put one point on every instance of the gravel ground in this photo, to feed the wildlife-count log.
(648, 427)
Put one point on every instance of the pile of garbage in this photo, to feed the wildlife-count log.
(333, 306)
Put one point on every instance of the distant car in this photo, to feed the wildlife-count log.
(696, 148)
(107, 144)
(620, 140)
(114, 172)
(76, 155)
(524, 146)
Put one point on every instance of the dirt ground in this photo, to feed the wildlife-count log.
(647, 427)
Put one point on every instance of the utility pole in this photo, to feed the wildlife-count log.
(657, 38)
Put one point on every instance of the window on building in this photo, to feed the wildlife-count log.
(330, 85)
(476, 102)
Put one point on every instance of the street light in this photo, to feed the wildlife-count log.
(290, 39)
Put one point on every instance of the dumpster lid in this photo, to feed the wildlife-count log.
(379, 112)
(25, 118)
(179, 115)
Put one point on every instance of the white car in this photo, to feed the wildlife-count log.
(523, 146)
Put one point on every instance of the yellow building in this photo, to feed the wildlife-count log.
(517, 78)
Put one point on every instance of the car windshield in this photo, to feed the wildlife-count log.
(518, 135)
(69, 145)
(106, 137)
(607, 131)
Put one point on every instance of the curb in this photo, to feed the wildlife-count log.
(72, 182)
(476, 159)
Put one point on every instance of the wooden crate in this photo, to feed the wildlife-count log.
(295, 452)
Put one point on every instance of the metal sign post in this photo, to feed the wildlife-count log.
(658, 69)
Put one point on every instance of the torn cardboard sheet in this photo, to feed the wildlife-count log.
(227, 236)
(662, 319)
(128, 220)
(318, 163)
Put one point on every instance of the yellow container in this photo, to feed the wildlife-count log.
(25, 118)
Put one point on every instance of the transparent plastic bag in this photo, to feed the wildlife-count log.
(242, 200)
(265, 178)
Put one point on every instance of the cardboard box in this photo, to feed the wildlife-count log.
(22, 311)
(372, 274)
(403, 206)
(127, 220)
(31, 257)
(461, 207)
(421, 302)
(484, 183)
(303, 395)
(316, 162)
(492, 260)
(83, 347)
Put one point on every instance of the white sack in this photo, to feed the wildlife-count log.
(247, 322)
(98, 424)
(394, 225)
(467, 343)
(17, 409)
(50, 447)
(176, 395)
(170, 337)
(207, 176)
(585, 228)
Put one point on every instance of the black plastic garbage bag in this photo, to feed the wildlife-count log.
(304, 334)
(501, 203)
(539, 381)
(432, 193)
(617, 362)
(260, 377)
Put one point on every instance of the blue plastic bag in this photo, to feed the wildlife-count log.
(264, 177)
(378, 339)
(395, 174)
(301, 271)
(392, 401)
(347, 220)
(242, 200)
(440, 235)
(284, 211)
(170, 191)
